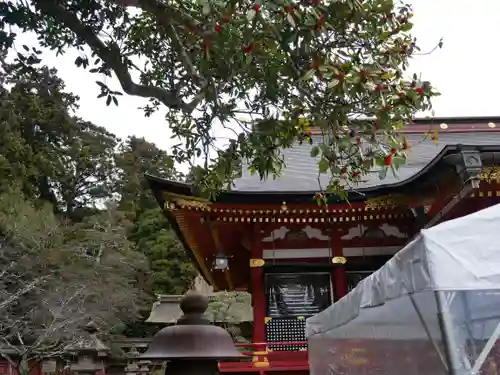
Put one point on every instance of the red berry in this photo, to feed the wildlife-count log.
(388, 108)
(343, 170)
(225, 19)
(394, 150)
(389, 16)
(321, 20)
(433, 137)
(218, 28)
(379, 87)
(388, 160)
(316, 2)
(314, 64)
(248, 49)
(318, 196)
(288, 9)
(420, 91)
(402, 96)
(256, 7)
(340, 76)
(356, 174)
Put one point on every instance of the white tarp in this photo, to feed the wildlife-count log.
(461, 254)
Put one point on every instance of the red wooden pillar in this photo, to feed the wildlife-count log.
(339, 275)
(257, 285)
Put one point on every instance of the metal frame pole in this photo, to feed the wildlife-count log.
(452, 349)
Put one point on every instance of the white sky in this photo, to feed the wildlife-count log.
(465, 71)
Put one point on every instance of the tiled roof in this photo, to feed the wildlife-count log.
(223, 308)
(301, 172)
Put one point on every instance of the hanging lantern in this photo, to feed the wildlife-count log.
(221, 262)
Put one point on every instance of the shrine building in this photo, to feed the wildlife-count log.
(271, 238)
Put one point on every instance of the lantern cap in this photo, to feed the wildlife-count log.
(193, 337)
(193, 305)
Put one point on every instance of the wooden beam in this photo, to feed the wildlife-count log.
(192, 242)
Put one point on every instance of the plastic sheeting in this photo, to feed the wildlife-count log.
(390, 322)
(460, 254)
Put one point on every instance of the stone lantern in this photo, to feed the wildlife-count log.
(132, 367)
(143, 367)
(193, 346)
(90, 352)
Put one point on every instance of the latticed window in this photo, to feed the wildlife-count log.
(287, 329)
(291, 298)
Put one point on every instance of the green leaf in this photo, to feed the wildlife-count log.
(382, 173)
(315, 151)
(309, 74)
(323, 165)
(206, 9)
(108, 100)
(334, 82)
(407, 26)
(78, 61)
(290, 19)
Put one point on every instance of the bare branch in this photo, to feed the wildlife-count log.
(27, 288)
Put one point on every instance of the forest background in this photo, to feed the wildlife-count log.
(81, 236)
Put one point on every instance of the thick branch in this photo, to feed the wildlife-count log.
(111, 55)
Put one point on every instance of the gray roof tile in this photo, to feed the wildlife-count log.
(301, 172)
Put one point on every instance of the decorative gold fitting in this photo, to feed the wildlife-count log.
(257, 263)
(339, 260)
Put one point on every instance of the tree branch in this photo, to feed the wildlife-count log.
(14, 297)
(111, 55)
(166, 14)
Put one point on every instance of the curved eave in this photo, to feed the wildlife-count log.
(157, 192)
(409, 184)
